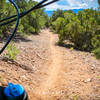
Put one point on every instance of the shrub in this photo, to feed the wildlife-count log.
(96, 46)
(11, 51)
(59, 25)
(96, 41)
(97, 53)
(82, 29)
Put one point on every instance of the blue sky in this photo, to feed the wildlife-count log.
(72, 4)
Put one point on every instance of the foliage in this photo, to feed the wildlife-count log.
(59, 25)
(97, 52)
(96, 46)
(11, 51)
(96, 41)
(56, 14)
(32, 23)
(82, 29)
(75, 97)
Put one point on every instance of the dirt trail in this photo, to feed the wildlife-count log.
(66, 73)
(50, 72)
(54, 71)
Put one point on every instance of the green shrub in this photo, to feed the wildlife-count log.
(82, 29)
(11, 51)
(59, 25)
(32, 23)
(96, 41)
(97, 53)
(96, 46)
(30, 30)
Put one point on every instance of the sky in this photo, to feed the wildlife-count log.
(72, 4)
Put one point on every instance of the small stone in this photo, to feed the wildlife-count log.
(92, 68)
(87, 80)
(33, 67)
(23, 77)
(10, 62)
(94, 65)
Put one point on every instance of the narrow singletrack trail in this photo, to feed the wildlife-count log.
(54, 71)
(66, 74)
(51, 72)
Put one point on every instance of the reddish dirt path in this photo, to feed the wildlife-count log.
(68, 78)
(52, 72)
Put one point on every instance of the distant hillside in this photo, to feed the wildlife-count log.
(49, 13)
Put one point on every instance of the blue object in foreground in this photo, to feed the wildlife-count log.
(14, 92)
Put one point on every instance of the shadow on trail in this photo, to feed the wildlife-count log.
(69, 46)
(17, 38)
(16, 63)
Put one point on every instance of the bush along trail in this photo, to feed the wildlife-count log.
(82, 30)
(50, 72)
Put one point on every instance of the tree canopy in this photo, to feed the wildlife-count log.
(31, 23)
(82, 29)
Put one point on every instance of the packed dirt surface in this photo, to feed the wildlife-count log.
(50, 72)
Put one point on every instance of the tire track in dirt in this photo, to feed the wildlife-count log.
(65, 74)
(58, 73)
(48, 89)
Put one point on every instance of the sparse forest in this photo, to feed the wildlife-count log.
(30, 24)
(82, 29)
(53, 57)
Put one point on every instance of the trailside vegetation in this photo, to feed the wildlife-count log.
(82, 29)
(11, 52)
(31, 23)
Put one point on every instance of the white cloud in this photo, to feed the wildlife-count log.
(73, 4)
(78, 3)
(63, 7)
